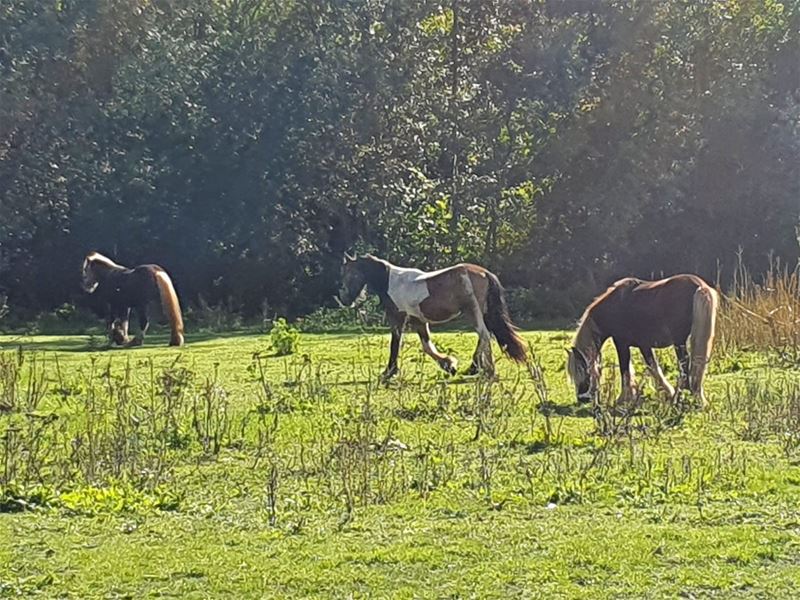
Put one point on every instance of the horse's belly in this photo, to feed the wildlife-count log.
(437, 319)
(656, 337)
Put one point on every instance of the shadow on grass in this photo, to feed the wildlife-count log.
(94, 342)
(534, 447)
(583, 411)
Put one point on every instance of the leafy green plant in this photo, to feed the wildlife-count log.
(368, 315)
(284, 338)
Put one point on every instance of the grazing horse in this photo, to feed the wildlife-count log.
(122, 289)
(646, 315)
(419, 298)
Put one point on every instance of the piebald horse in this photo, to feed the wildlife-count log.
(420, 298)
(122, 289)
(646, 315)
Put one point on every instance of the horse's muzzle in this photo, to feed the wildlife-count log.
(337, 299)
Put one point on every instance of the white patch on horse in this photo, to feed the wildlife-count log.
(407, 289)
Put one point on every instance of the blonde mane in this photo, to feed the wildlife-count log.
(587, 329)
(584, 336)
(584, 340)
(95, 258)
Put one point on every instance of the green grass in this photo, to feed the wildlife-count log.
(221, 470)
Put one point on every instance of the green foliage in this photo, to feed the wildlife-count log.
(244, 146)
(368, 315)
(284, 338)
(117, 497)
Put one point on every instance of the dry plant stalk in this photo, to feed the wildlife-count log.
(762, 313)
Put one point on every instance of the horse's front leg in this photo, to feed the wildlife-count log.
(628, 391)
(110, 319)
(118, 331)
(448, 363)
(656, 372)
(394, 348)
(144, 325)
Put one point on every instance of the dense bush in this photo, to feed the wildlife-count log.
(245, 145)
(284, 338)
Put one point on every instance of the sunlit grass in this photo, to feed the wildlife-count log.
(220, 469)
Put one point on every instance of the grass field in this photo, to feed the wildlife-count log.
(220, 470)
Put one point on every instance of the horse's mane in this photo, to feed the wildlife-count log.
(587, 328)
(584, 343)
(95, 258)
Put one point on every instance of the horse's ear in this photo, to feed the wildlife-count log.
(347, 258)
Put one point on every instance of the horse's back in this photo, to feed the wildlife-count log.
(134, 286)
(650, 313)
(437, 296)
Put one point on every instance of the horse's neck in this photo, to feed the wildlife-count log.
(109, 273)
(376, 275)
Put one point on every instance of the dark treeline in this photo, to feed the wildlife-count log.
(245, 144)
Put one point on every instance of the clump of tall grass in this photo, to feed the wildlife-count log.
(762, 312)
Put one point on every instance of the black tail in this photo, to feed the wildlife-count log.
(499, 323)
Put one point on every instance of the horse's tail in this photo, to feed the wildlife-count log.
(498, 322)
(171, 306)
(704, 316)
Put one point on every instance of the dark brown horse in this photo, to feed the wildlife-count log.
(122, 289)
(419, 299)
(646, 315)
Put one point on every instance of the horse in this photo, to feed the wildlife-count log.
(646, 315)
(419, 298)
(122, 289)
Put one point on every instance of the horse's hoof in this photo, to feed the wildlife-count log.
(388, 374)
(473, 370)
(449, 365)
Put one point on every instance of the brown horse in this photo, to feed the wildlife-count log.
(122, 289)
(421, 298)
(646, 315)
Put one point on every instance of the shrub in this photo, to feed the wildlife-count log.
(283, 337)
(369, 314)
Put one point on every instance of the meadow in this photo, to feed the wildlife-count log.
(223, 470)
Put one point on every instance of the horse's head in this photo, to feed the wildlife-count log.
(353, 280)
(95, 268)
(89, 279)
(584, 373)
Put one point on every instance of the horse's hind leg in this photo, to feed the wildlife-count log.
(683, 365)
(482, 358)
(656, 372)
(448, 363)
